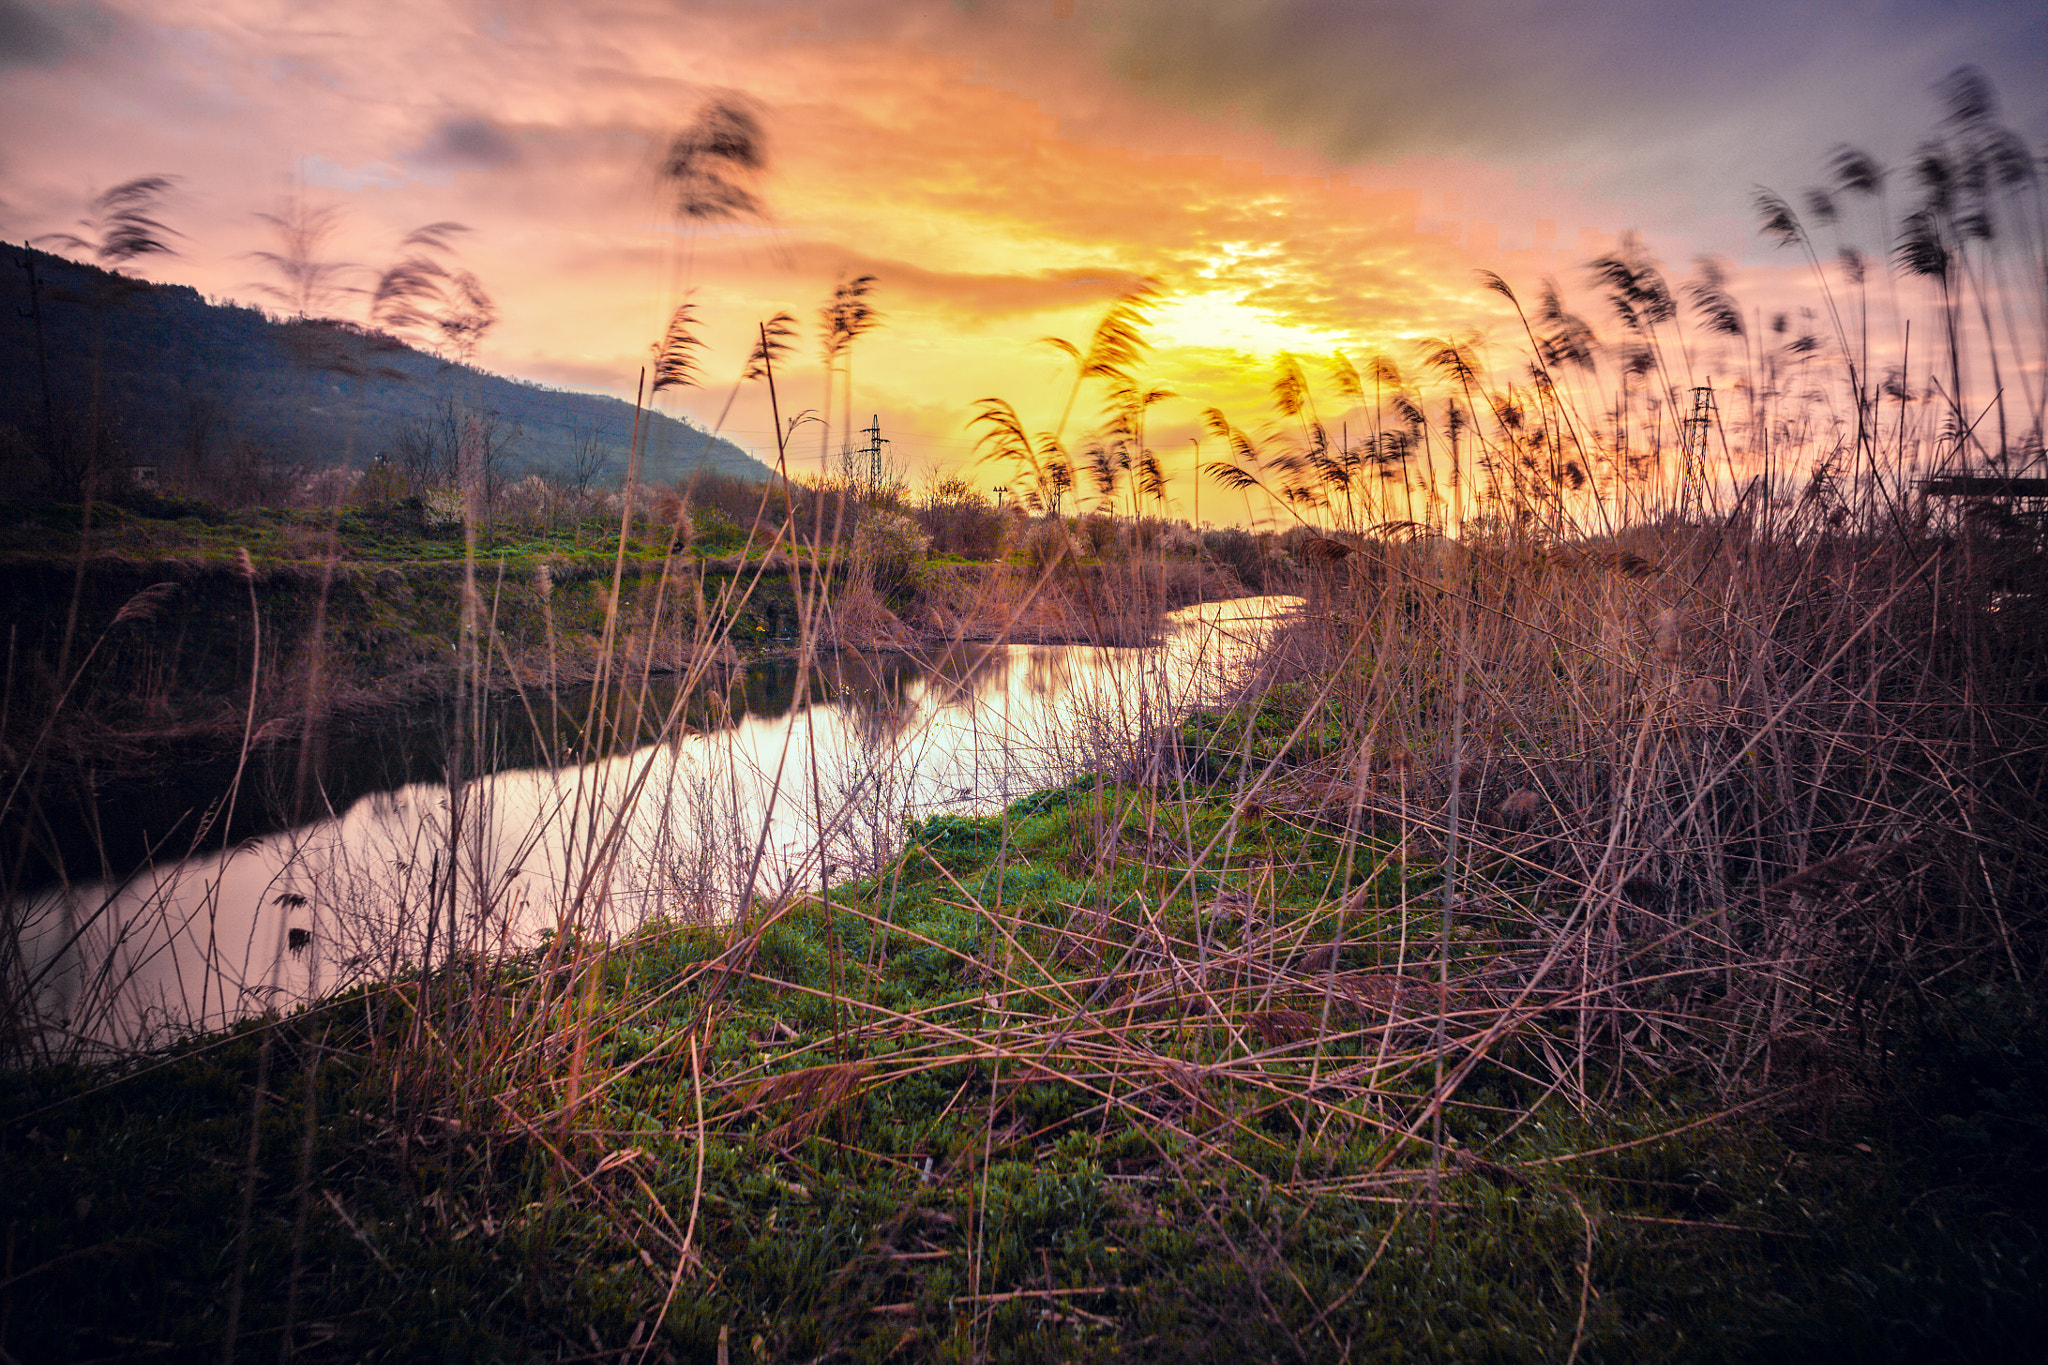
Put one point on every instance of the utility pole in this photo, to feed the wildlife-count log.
(1692, 476)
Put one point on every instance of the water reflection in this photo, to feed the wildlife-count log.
(744, 792)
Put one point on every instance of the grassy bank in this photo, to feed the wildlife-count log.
(152, 620)
(1597, 951)
(1619, 948)
(1119, 1073)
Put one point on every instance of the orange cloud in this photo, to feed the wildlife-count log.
(1004, 171)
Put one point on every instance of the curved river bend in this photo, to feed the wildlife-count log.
(761, 804)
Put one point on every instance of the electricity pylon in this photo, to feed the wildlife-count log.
(874, 448)
(1692, 474)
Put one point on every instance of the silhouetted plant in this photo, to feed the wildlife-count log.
(675, 355)
(122, 224)
(422, 298)
(709, 163)
(1115, 348)
(124, 229)
(309, 284)
(842, 321)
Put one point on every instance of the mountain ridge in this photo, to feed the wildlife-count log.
(214, 392)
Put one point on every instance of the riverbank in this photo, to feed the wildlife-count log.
(115, 660)
(1468, 986)
(1117, 1073)
(190, 677)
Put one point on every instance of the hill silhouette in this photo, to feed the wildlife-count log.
(217, 393)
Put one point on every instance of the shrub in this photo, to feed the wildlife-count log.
(1047, 542)
(1103, 535)
(714, 531)
(1242, 552)
(961, 522)
(891, 550)
(440, 510)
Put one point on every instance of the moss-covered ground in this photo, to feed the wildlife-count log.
(1105, 1076)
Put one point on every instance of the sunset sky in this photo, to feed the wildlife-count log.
(1300, 174)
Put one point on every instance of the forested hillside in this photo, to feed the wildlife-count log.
(219, 396)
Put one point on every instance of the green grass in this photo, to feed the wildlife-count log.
(144, 525)
(902, 1159)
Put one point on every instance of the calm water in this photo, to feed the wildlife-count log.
(758, 792)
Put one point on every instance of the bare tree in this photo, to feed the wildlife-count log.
(423, 455)
(203, 405)
(589, 460)
(484, 453)
(455, 448)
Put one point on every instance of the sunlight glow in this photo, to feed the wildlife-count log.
(1225, 321)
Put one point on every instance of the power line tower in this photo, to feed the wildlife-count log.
(874, 450)
(1692, 476)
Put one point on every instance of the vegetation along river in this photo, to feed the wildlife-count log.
(745, 792)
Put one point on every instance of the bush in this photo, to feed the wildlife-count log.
(1047, 542)
(891, 549)
(1243, 553)
(739, 500)
(714, 531)
(440, 510)
(961, 522)
(1103, 536)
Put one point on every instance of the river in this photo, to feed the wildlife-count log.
(748, 792)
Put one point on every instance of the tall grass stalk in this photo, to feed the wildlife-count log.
(1588, 777)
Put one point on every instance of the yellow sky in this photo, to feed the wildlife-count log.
(1005, 170)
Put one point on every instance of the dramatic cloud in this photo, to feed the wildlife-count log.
(1685, 103)
(27, 36)
(470, 142)
(1308, 175)
(1532, 78)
